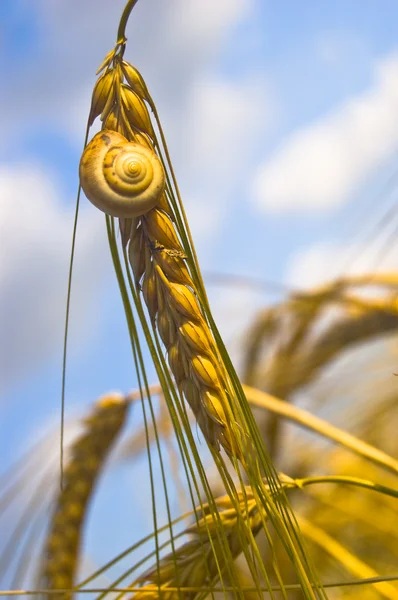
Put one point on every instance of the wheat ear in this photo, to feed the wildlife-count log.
(154, 248)
(87, 457)
(194, 564)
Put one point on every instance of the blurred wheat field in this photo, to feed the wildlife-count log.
(276, 481)
(332, 477)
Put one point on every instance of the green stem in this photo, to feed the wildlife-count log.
(370, 485)
(313, 423)
(121, 32)
(66, 327)
(289, 586)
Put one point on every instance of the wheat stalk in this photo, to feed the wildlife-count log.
(87, 456)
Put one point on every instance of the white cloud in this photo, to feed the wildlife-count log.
(170, 42)
(198, 22)
(223, 119)
(320, 166)
(335, 48)
(35, 234)
(321, 263)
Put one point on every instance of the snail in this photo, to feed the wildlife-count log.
(123, 179)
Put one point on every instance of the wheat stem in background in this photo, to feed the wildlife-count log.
(313, 423)
(350, 562)
(342, 479)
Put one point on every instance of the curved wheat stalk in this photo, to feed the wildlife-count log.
(342, 555)
(314, 423)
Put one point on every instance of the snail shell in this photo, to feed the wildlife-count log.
(121, 178)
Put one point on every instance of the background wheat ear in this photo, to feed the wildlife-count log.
(290, 345)
(201, 562)
(86, 460)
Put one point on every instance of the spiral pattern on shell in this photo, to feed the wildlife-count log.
(123, 179)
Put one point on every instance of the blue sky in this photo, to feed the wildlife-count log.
(282, 121)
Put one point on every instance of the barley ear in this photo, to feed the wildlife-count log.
(87, 457)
